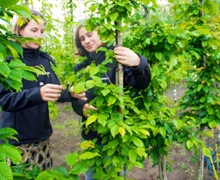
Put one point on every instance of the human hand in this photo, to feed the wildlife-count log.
(126, 56)
(88, 107)
(50, 92)
(81, 95)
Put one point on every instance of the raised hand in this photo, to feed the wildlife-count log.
(51, 92)
(81, 95)
(126, 56)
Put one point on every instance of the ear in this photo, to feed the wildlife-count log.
(21, 32)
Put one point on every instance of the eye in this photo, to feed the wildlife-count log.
(34, 30)
(89, 34)
(82, 38)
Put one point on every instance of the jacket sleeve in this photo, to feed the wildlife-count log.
(77, 105)
(138, 77)
(15, 101)
(65, 95)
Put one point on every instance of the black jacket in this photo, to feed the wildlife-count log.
(138, 77)
(25, 111)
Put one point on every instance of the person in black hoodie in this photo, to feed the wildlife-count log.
(27, 111)
(136, 73)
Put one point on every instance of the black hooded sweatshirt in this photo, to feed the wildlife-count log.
(25, 111)
(138, 77)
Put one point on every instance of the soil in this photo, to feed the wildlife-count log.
(66, 139)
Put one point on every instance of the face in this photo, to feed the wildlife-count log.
(89, 40)
(34, 30)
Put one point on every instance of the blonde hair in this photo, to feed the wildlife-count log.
(17, 28)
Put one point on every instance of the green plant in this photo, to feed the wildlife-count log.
(8, 152)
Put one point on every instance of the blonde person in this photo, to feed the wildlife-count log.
(27, 111)
(136, 74)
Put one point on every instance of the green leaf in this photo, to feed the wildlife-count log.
(71, 159)
(79, 87)
(91, 119)
(189, 144)
(111, 100)
(122, 131)
(147, 41)
(52, 174)
(28, 75)
(15, 63)
(141, 152)
(5, 70)
(195, 11)
(89, 84)
(204, 43)
(2, 52)
(79, 168)
(2, 27)
(163, 84)
(212, 124)
(102, 119)
(13, 83)
(13, 51)
(88, 155)
(5, 173)
(7, 133)
(16, 47)
(15, 75)
(61, 169)
(138, 142)
(145, 132)
(113, 16)
(113, 144)
(178, 123)
(210, 110)
(203, 99)
(99, 101)
(11, 152)
(158, 55)
(132, 155)
(199, 87)
(115, 161)
(194, 53)
(21, 10)
(162, 131)
(138, 165)
(87, 144)
(105, 92)
(6, 3)
(114, 130)
(206, 152)
(171, 39)
(168, 142)
(110, 152)
(93, 70)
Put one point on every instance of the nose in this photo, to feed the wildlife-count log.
(87, 40)
(39, 34)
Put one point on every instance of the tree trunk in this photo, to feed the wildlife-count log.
(120, 81)
(119, 69)
(201, 155)
(162, 168)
